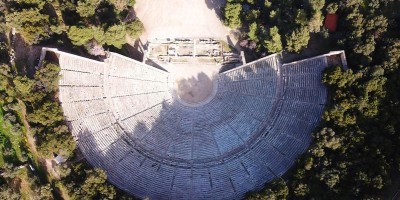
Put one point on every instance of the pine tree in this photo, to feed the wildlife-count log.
(273, 43)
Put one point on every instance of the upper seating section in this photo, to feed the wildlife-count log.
(302, 80)
(76, 63)
(309, 66)
(126, 121)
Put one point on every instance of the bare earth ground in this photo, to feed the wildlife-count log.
(194, 82)
(181, 18)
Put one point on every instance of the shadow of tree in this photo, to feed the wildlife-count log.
(217, 6)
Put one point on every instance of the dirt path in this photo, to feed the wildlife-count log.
(181, 18)
(25, 188)
(44, 164)
(29, 137)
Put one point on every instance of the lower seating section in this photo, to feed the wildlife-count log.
(126, 121)
(132, 87)
(121, 66)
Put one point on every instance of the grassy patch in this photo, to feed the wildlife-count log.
(7, 135)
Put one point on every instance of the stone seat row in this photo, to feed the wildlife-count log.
(309, 66)
(75, 63)
(81, 109)
(122, 66)
(78, 93)
(75, 78)
(133, 86)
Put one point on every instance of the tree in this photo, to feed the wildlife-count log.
(37, 3)
(316, 21)
(8, 193)
(87, 8)
(32, 25)
(273, 43)
(121, 4)
(24, 86)
(391, 55)
(55, 139)
(95, 186)
(44, 192)
(366, 47)
(232, 12)
(253, 32)
(82, 35)
(301, 17)
(377, 25)
(115, 36)
(330, 177)
(356, 24)
(301, 189)
(47, 77)
(298, 39)
(316, 5)
(134, 29)
(47, 114)
(332, 8)
(277, 189)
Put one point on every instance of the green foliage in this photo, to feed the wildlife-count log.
(87, 8)
(316, 21)
(9, 193)
(297, 40)
(353, 154)
(391, 55)
(23, 86)
(33, 25)
(38, 3)
(253, 29)
(86, 20)
(82, 35)
(95, 185)
(232, 12)
(273, 43)
(122, 4)
(316, 5)
(301, 17)
(366, 47)
(48, 114)
(55, 139)
(356, 23)
(377, 25)
(83, 183)
(47, 77)
(332, 8)
(277, 189)
(115, 36)
(134, 29)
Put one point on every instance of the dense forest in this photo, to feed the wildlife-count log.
(355, 153)
(32, 127)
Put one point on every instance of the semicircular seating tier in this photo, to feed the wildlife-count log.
(127, 122)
